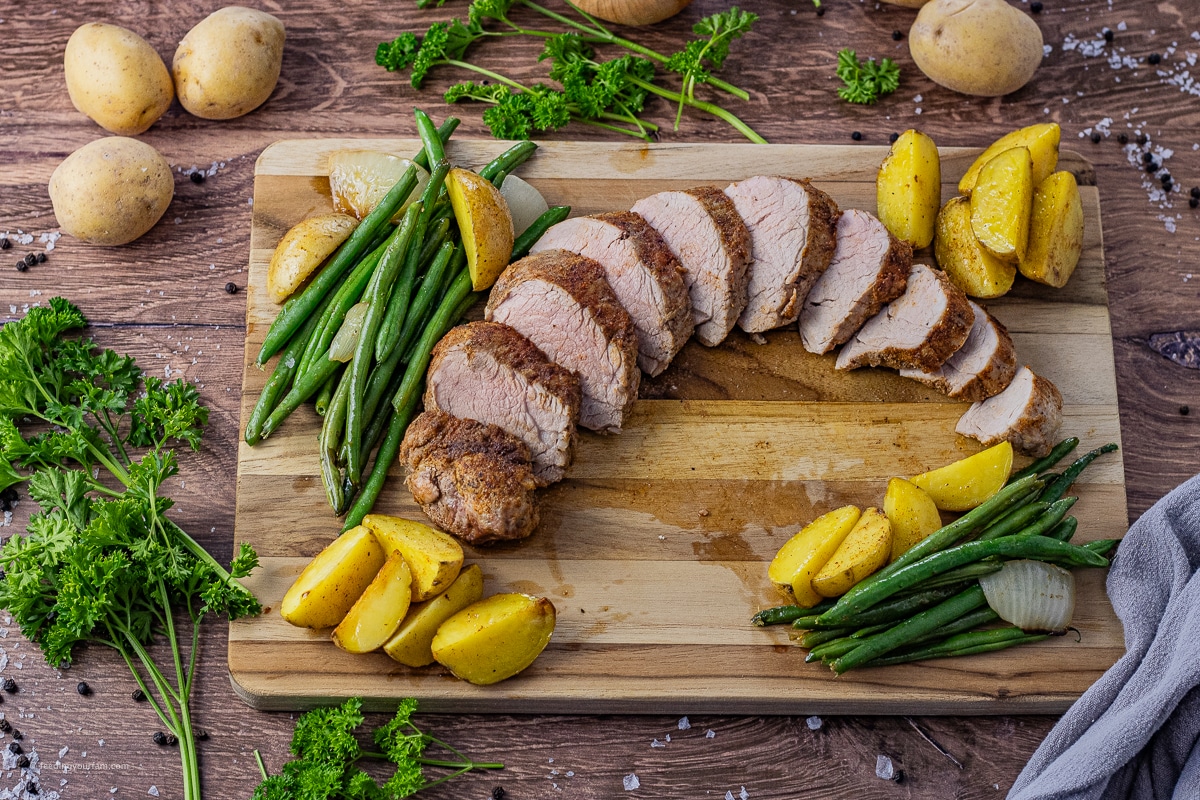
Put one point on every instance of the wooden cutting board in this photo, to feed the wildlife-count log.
(654, 549)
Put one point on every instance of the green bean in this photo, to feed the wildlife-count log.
(964, 644)
(813, 639)
(439, 234)
(1014, 521)
(844, 644)
(443, 134)
(918, 625)
(325, 394)
(434, 149)
(279, 382)
(785, 615)
(550, 217)
(895, 609)
(416, 323)
(1064, 530)
(377, 293)
(331, 432)
(1059, 486)
(968, 572)
(968, 621)
(508, 161)
(1056, 455)
(305, 387)
(442, 320)
(389, 448)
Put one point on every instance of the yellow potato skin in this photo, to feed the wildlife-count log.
(228, 64)
(1002, 203)
(970, 481)
(331, 583)
(485, 223)
(111, 191)
(377, 613)
(116, 78)
(304, 248)
(1042, 141)
(802, 556)
(964, 260)
(978, 47)
(908, 188)
(495, 638)
(864, 550)
(912, 513)
(1056, 231)
(412, 645)
(434, 557)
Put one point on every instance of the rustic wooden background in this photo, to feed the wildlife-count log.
(163, 299)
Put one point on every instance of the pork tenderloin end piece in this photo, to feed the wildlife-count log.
(491, 373)
(869, 268)
(984, 366)
(643, 273)
(920, 329)
(472, 479)
(792, 237)
(706, 234)
(1028, 413)
(561, 302)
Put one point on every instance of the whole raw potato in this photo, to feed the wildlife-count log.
(980, 47)
(111, 191)
(906, 3)
(115, 77)
(228, 64)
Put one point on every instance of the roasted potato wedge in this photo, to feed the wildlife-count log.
(1001, 204)
(412, 645)
(434, 557)
(332, 582)
(1041, 139)
(485, 223)
(864, 550)
(968, 482)
(802, 556)
(908, 188)
(303, 249)
(964, 260)
(912, 513)
(1056, 231)
(377, 613)
(495, 638)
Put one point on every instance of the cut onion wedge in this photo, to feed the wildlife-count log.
(346, 339)
(358, 180)
(1033, 595)
(525, 203)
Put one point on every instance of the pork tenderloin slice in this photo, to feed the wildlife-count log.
(561, 303)
(1027, 413)
(704, 231)
(792, 234)
(645, 276)
(491, 373)
(982, 367)
(920, 329)
(472, 479)
(869, 269)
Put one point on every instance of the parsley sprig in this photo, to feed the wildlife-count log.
(866, 81)
(100, 561)
(328, 752)
(606, 93)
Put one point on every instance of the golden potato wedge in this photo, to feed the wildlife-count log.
(1001, 204)
(377, 613)
(1041, 139)
(964, 260)
(332, 582)
(968, 482)
(864, 550)
(412, 645)
(304, 248)
(802, 556)
(908, 188)
(494, 638)
(434, 557)
(912, 512)
(485, 223)
(1056, 231)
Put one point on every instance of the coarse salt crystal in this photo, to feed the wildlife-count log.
(152, 791)
(884, 768)
(814, 723)
(631, 782)
(63, 751)
(657, 743)
(710, 734)
(684, 724)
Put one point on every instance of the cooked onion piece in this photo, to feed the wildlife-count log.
(525, 203)
(346, 339)
(358, 180)
(1033, 595)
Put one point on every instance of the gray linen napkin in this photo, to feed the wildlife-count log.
(1134, 733)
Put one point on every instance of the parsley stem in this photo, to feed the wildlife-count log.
(715, 110)
(261, 766)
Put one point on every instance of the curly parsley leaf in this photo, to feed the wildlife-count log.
(866, 81)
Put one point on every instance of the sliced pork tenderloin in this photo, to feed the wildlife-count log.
(472, 479)
(869, 268)
(561, 302)
(792, 233)
(982, 367)
(645, 276)
(920, 329)
(1027, 413)
(488, 372)
(705, 233)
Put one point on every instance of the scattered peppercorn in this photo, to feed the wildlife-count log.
(897, 36)
(1194, 201)
(5, 725)
(41, 258)
(197, 177)
(15, 748)
(498, 793)
(138, 695)
(1154, 58)
(22, 266)
(23, 762)
(1142, 138)
(1109, 35)
(1195, 191)
(1184, 410)
(160, 738)
(1096, 137)
(231, 288)
(1151, 167)
(1035, 8)
(83, 688)
(17, 735)
(32, 788)
(1167, 181)
(820, 11)
(1147, 158)
(856, 136)
(5, 243)
(1122, 138)
(30, 259)
(893, 138)
(201, 735)
(9, 686)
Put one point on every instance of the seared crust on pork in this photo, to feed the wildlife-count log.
(982, 367)
(1028, 413)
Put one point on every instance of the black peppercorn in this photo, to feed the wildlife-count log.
(1142, 138)
(30, 259)
(41, 258)
(1166, 179)
(197, 177)
(23, 762)
(17, 735)
(498, 793)
(893, 138)
(1184, 410)
(160, 738)
(1147, 158)
(1109, 35)
(1151, 167)
(1096, 137)
(5, 725)
(83, 688)
(138, 695)
(820, 11)
(1195, 191)
(1154, 58)
(856, 136)
(897, 36)
(22, 266)
(15, 748)
(32, 788)
(201, 735)
(5, 243)
(1035, 8)
(1194, 201)
(1122, 138)
(231, 288)
(9, 686)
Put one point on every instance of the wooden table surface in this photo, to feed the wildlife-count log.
(163, 299)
